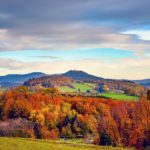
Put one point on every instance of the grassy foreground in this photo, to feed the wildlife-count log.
(31, 144)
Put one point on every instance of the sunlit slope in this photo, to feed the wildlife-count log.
(29, 144)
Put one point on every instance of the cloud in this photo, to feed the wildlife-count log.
(50, 11)
(12, 64)
(46, 57)
(67, 24)
(71, 36)
(142, 34)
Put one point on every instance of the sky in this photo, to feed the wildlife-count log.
(107, 38)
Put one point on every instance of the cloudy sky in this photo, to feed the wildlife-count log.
(108, 38)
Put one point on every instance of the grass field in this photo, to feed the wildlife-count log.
(82, 87)
(66, 89)
(31, 144)
(120, 96)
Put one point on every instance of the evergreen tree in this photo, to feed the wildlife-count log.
(105, 139)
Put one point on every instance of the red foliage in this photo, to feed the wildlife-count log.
(127, 123)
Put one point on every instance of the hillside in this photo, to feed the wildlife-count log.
(50, 81)
(48, 114)
(144, 82)
(80, 82)
(124, 86)
(31, 144)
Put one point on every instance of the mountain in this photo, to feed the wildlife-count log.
(74, 80)
(81, 81)
(17, 79)
(144, 82)
(81, 75)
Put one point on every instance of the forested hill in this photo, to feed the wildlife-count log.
(73, 81)
(82, 82)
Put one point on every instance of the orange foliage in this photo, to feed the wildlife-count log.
(57, 116)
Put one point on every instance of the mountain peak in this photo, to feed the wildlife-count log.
(80, 75)
(75, 71)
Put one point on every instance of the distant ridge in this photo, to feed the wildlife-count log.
(68, 78)
(80, 75)
(20, 78)
(74, 78)
(144, 82)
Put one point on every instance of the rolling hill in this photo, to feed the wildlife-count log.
(12, 80)
(75, 81)
(81, 82)
(50, 81)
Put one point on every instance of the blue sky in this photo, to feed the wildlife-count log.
(107, 38)
(38, 55)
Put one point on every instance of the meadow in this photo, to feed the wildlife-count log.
(119, 96)
(31, 144)
(82, 87)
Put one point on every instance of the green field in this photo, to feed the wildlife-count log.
(31, 144)
(82, 87)
(120, 96)
(66, 89)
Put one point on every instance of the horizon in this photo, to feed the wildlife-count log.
(108, 38)
(73, 70)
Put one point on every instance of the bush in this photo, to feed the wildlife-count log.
(17, 128)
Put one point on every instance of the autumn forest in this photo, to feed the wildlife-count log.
(48, 114)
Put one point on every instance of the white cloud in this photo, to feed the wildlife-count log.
(142, 34)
